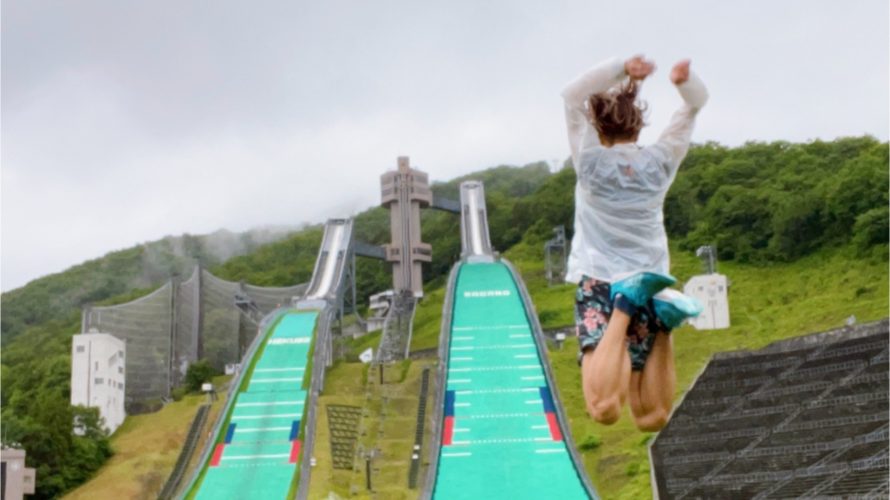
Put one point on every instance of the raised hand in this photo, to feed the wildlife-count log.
(638, 68)
(680, 72)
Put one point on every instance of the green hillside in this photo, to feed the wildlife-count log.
(767, 303)
(816, 212)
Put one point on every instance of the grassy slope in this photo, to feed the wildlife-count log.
(389, 425)
(146, 448)
(767, 304)
(427, 320)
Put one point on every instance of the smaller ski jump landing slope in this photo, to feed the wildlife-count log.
(501, 437)
(258, 453)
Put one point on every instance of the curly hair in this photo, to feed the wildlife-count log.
(616, 114)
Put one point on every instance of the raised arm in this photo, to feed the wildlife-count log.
(676, 137)
(600, 78)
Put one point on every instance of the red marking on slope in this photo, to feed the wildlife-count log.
(295, 451)
(555, 433)
(448, 432)
(217, 454)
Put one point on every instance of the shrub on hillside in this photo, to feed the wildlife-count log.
(198, 373)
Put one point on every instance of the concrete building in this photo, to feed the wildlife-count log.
(404, 192)
(17, 480)
(712, 291)
(98, 375)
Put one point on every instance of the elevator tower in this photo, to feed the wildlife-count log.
(405, 191)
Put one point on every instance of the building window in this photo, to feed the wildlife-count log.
(97, 366)
(120, 369)
(80, 348)
(99, 381)
(120, 353)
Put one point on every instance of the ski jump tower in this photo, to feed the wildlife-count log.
(405, 191)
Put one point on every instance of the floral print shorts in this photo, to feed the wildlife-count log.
(593, 308)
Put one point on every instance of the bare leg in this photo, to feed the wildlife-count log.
(605, 372)
(652, 390)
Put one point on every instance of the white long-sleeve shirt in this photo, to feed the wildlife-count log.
(619, 224)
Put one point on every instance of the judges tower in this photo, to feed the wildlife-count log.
(405, 191)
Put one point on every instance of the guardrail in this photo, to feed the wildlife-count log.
(418, 433)
(191, 440)
(319, 364)
(440, 383)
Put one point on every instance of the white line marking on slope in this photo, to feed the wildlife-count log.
(502, 441)
(502, 415)
(262, 429)
(489, 327)
(250, 457)
(500, 346)
(495, 368)
(496, 391)
(271, 403)
(257, 417)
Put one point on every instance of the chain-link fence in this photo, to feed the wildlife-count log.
(145, 325)
(179, 323)
(186, 303)
(221, 329)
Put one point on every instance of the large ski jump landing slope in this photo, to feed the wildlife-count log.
(258, 455)
(501, 437)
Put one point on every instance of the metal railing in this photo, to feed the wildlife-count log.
(320, 359)
(395, 341)
(191, 440)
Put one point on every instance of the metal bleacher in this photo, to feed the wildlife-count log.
(801, 418)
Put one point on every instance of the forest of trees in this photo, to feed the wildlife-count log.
(759, 203)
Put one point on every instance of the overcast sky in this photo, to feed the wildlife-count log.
(126, 121)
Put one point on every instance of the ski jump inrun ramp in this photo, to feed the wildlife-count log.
(501, 431)
(263, 444)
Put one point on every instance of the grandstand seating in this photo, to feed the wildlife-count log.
(802, 417)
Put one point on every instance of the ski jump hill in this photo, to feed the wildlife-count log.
(501, 430)
(264, 443)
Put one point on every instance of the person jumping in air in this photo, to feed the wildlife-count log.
(619, 255)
